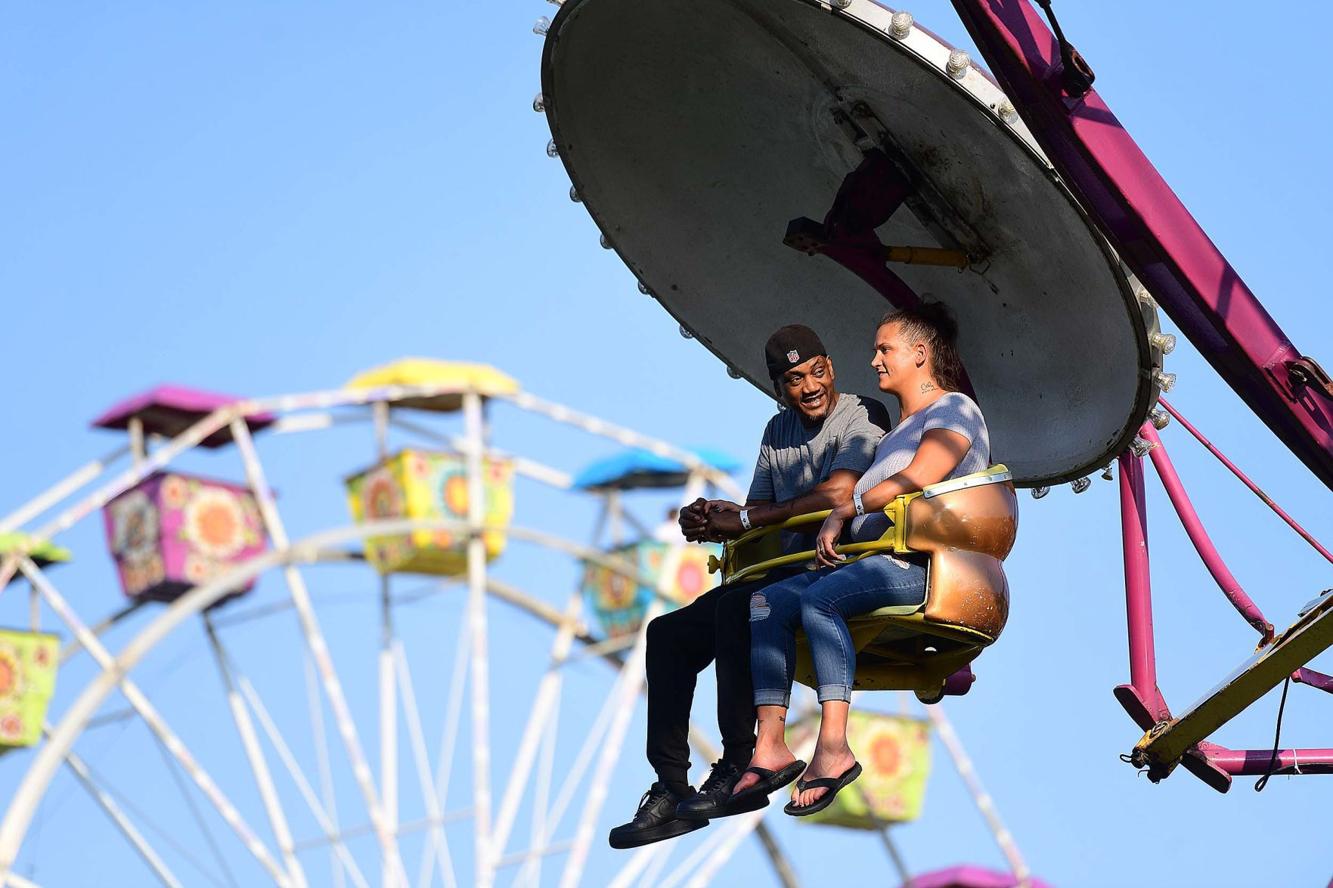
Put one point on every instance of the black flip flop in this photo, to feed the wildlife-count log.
(755, 797)
(832, 784)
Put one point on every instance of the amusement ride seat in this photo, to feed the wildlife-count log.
(964, 528)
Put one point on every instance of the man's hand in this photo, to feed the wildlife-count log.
(724, 521)
(694, 521)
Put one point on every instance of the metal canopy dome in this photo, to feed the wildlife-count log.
(695, 130)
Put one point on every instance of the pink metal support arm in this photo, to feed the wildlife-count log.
(1199, 537)
(1221, 457)
(868, 196)
(1241, 762)
(1140, 698)
(1313, 679)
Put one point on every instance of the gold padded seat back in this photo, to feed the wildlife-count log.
(967, 590)
(979, 519)
(966, 534)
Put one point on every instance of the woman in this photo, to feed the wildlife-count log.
(941, 434)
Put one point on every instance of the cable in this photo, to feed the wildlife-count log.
(1077, 75)
(164, 834)
(1277, 736)
(1244, 479)
(194, 810)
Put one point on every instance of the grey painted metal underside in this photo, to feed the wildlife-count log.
(694, 130)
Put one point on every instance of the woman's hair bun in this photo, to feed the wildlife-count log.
(939, 316)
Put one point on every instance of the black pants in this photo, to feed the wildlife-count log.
(681, 644)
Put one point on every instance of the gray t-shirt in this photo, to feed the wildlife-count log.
(794, 458)
(954, 412)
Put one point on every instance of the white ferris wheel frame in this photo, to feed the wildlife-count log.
(285, 556)
(604, 741)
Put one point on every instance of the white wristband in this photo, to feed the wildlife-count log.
(856, 501)
(745, 518)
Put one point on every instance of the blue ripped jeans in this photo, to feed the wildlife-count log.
(820, 602)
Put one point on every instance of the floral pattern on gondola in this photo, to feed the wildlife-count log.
(428, 486)
(173, 532)
(27, 681)
(620, 601)
(894, 751)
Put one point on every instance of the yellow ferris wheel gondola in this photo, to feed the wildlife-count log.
(446, 380)
(427, 485)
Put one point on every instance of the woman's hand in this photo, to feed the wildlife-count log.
(828, 538)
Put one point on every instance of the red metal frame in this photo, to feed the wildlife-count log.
(1199, 537)
(1141, 698)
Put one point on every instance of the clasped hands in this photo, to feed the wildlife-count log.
(713, 521)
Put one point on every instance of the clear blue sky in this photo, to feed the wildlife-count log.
(262, 198)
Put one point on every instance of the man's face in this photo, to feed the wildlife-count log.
(808, 387)
(896, 360)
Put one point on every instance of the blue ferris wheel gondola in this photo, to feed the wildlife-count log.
(639, 469)
(677, 572)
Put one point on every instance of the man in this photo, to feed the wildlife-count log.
(812, 454)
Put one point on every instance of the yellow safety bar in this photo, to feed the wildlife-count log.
(915, 646)
(756, 552)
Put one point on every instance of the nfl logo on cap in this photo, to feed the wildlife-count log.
(788, 347)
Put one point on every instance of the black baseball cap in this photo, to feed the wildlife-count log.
(791, 345)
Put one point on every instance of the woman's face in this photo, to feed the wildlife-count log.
(896, 362)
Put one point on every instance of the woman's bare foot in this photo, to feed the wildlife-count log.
(824, 763)
(770, 745)
(773, 757)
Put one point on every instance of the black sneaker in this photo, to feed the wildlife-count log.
(654, 821)
(714, 798)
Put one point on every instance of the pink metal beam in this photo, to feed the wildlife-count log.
(1154, 232)
(1164, 745)
(1241, 762)
(1141, 697)
(1313, 679)
(1199, 537)
(1281, 513)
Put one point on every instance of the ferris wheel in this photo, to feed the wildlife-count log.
(441, 511)
(186, 546)
(937, 179)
